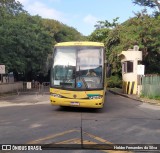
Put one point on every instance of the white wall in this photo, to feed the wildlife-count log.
(9, 87)
(134, 56)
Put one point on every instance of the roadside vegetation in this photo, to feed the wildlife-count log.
(142, 30)
(26, 42)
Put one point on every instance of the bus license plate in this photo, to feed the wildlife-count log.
(75, 103)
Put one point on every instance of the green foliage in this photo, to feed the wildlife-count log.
(108, 33)
(149, 3)
(67, 34)
(145, 3)
(99, 35)
(61, 32)
(142, 30)
(27, 41)
(114, 81)
(107, 24)
(11, 7)
(25, 44)
(151, 97)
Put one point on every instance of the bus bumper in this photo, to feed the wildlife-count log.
(86, 103)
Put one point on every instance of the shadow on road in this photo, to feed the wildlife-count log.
(78, 110)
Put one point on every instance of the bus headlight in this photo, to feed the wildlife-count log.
(56, 95)
(95, 97)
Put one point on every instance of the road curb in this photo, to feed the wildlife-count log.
(123, 95)
(130, 97)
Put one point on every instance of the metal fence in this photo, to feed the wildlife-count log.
(34, 88)
(151, 86)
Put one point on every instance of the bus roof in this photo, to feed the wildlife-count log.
(80, 43)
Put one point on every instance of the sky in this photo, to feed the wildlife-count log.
(82, 14)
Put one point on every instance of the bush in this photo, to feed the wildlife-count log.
(114, 81)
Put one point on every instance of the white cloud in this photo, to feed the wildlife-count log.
(24, 2)
(35, 7)
(31, 1)
(55, 1)
(44, 11)
(90, 19)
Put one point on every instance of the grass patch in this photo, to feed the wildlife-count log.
(151, 97)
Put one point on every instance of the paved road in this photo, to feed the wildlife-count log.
(31, 119)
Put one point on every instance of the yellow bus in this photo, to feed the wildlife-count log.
(78, 75)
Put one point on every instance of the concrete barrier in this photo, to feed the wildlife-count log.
(129, 87)
(10, 87)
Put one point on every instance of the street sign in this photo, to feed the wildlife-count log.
(140, 69)
(29, 85)
(2, 69)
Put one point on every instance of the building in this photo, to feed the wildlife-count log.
(131, 62)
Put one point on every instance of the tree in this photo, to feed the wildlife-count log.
(12, 7)
(107, 24)
(108, 33)
(99, 35)
(25, 45)
(142, 30)
(27, 41)
(61, 32)
(24, 41)
(148, 3)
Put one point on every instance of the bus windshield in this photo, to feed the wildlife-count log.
(77, 67)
